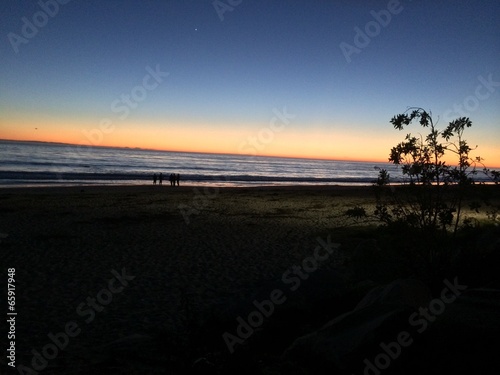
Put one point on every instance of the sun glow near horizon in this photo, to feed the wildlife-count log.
(246, 139)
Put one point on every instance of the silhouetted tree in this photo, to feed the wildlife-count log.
(426, 207)
(432, 193)
(423, 213)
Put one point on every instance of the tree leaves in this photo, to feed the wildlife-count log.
(437, 188)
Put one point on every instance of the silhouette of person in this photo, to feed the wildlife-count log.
(171, 179)
(178, 178)
(161, 178)
(154, 179)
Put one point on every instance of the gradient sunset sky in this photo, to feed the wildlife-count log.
(228, 67)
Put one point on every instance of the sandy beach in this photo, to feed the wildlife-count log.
(188, 257)
(183, 245)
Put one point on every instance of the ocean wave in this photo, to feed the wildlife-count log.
(117, 177)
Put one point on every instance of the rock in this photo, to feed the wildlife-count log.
(344, 341)
(464, 339)
(402, 292)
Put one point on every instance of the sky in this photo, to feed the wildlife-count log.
(315, 78)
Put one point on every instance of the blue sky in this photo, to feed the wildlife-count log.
(226, 76)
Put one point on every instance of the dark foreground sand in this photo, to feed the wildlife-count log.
(194, 258)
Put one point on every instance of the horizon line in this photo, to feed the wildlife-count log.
(197, 152)
(215, 153)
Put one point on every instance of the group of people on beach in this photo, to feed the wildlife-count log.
(173, 178)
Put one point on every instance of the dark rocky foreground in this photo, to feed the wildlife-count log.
(220, 294)
(399, 328)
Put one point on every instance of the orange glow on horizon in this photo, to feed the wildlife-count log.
(249, 139)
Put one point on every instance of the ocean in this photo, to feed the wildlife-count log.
(37, 163)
